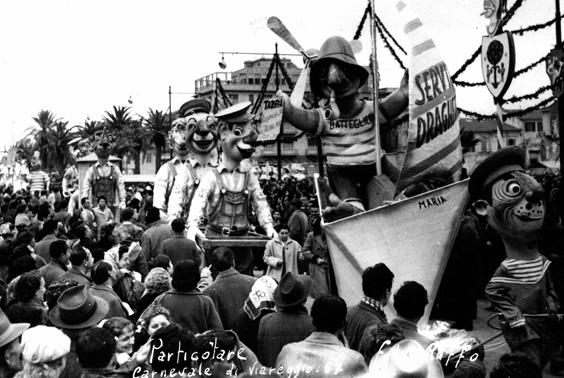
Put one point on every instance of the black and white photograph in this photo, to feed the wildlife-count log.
(296, 189)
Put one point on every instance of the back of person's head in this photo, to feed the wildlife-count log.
(153, 215)
(329, 313)
(376, 280)
(171, 339)
(20, 265)
(27, 286)
(23, 238)
(379, 338)
(516, 365)
(410, 300)
(127, 214)
(78, 255)
(49, 227)
(185, 275)
(222, 341)
(101, 271)
(134, 204)
(21, 209)
(55, 290)
(57, 249)
(80, 230)
(222, 258)
(107, 230)
(58, 206)
(44, 211)
(95, 348)
(160, 261)
(178, 225)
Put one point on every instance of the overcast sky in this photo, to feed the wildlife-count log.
(78, 58)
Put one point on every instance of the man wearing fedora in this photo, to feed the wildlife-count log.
(291, 323)
(10, 350)
(76, 310)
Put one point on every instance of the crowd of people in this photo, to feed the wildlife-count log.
(85, 295)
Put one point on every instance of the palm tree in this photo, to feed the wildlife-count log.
(119, 129)
(156, 129)
(51, 137)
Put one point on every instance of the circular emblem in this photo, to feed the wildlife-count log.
(495, 52)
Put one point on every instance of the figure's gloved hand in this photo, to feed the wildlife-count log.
(194, 234)
(336, 208)
(284, 98)
(271, 232)
(122, 205)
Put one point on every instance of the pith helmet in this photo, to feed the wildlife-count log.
(335, 49)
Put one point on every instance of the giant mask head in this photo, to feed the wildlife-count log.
(513, 200)
(35, 162)
(336, 70)
(237, 132)
(201, 134)
(177, 138)
(102, 147)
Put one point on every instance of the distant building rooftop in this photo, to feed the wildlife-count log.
(485, 126)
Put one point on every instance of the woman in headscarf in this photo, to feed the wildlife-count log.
(259, 303)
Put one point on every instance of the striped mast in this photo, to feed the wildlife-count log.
(374, 64)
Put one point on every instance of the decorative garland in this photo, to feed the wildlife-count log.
(530, 96)
(388, 46)
(517, 113)
(257, 103)
(361, 24)
(461, 83)
(219, 88)
(535, 27)
(378, 21)
(285, 74)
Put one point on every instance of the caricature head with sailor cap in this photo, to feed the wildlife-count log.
(513, 201)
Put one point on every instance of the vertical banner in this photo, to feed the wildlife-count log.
(433, 146)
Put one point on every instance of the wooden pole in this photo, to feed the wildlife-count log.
(279, 139)
(374, 64)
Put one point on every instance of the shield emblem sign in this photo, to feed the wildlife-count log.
(498, 63)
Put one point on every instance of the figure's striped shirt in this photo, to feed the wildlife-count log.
(350, 141)
(530, 271)
(38, 181)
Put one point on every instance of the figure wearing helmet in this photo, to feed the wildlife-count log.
(346, 125)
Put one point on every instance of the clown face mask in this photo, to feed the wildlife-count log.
(517, 206)
(177, 137)
(201, 135)
(238, 140)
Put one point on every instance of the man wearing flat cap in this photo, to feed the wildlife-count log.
(227, 192)
(521, 286)
(193, 138)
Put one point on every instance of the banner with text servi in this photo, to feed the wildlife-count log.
(433, 146)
